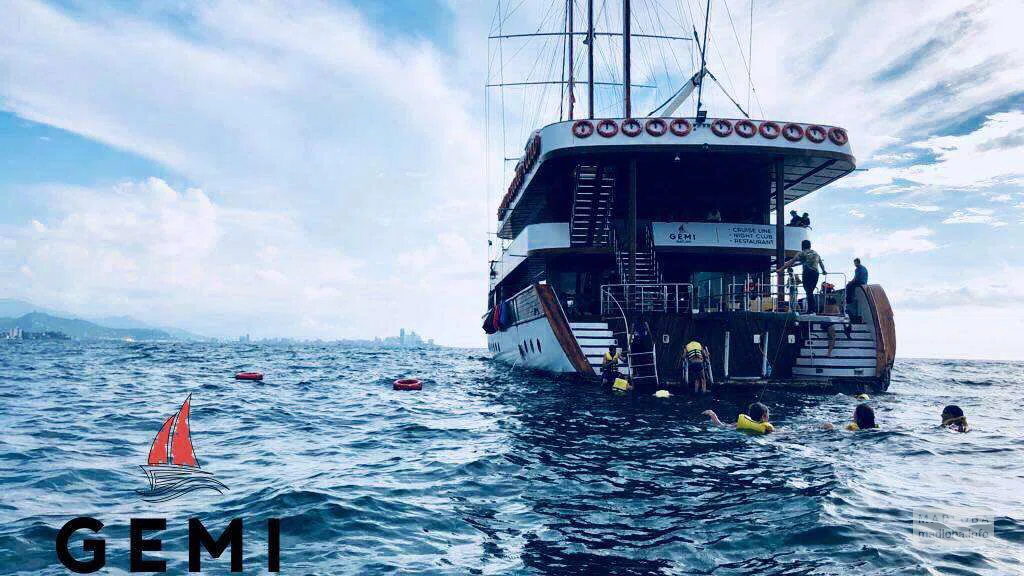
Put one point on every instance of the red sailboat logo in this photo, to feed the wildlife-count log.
(172, 468)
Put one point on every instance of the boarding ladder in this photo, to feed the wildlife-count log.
(592, 203)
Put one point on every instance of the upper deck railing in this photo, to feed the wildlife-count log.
(725, 295)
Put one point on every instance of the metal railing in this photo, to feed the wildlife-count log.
(675, 298)
(754, 294)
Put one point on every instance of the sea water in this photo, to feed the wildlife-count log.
(489, 470)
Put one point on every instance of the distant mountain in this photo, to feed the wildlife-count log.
(13, 308)
(79, 329)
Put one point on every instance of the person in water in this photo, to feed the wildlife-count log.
(756, 423)
(863, 419)
(954, 419)
(610, 365)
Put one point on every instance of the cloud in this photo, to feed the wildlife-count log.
(913, 206)
(876, 243)
(856, 213)
(38, 226)
(974, 216)
(309, 142)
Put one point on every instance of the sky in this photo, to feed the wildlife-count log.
(330, 169)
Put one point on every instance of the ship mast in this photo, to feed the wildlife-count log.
(570, 4)
(626, 42)
(590, 56)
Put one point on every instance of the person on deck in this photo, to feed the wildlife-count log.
(795, 220)
(811, 263)
(805, 220)
(610, 365)
(860, 278)
(694, 362)
(715, 215)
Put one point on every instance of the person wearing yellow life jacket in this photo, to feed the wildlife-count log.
(694, 358)
(610, 365)
(756, 423)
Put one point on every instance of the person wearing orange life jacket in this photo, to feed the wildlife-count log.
(695, 358)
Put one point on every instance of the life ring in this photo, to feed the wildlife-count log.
(769, 130)
(680, 127)
(631, 127)
(656, 127)
(582, 129)
(249, 376)
(838, 136)
(721, 127)
(408, 384)
(792, 132)
(607, 128)
(816, 134)
(746, 128)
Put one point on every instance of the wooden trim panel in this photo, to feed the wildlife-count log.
(885, 328)
(560, 326)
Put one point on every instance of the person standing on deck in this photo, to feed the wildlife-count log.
(811, 263)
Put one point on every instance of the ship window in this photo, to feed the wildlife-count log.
(531, 346)
(538, 345)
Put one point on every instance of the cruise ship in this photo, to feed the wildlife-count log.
(667, 229)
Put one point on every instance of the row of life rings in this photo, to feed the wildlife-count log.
(721, 127)
(523, 168)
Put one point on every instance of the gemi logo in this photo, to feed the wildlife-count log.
(172, 468)
(683, 235)
(173, 471)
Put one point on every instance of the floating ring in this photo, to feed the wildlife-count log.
(793, 132)
(816, 134)
(746, 128)
(721, 127)
(607, 128)
(769, 130)
(680, 127)
(582, 128)
(838, 136)
(631, 127)
(656, 127)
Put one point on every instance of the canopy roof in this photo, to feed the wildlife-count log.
(814, 155)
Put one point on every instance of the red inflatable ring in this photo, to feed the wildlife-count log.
(607, 128)
(631, 127)
(408, 384)
(680, 127)
(249, 376)
(792, 132)
(721, 127)
(656, 127)
(582, 129)
(838, 136)
(746, 128)
(816, 134)
(769, 130)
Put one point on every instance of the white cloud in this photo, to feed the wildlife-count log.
(38, 226)
(974, 216)
(856, 213)
(913, 206)
(876, 243)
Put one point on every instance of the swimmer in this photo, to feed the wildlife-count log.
(954, 419)
(863, 419)
(756, 423)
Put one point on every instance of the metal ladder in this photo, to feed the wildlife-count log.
(593, 200)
